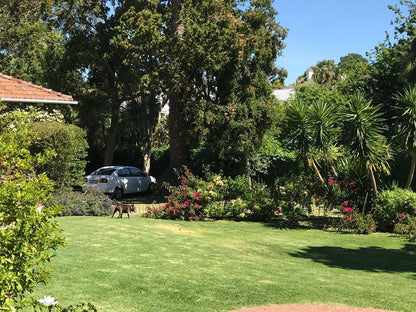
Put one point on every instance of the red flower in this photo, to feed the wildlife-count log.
(344, 204)
(347, 209)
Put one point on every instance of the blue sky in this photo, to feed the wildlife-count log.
(330, 29)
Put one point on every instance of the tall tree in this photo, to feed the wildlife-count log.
(118, 46)
(406, 106)
(226, 57)
(362, 135)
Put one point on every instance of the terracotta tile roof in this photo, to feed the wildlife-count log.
(16, 90)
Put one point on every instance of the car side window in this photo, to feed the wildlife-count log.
(137, 173)
(123, 172)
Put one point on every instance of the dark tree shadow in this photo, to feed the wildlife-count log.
(371, 259)
(306, 223)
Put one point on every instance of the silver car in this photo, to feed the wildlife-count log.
(119, 180)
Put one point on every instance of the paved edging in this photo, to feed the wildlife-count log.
(309, 308)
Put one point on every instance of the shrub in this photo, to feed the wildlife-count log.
(406, 225)
(389, 204)
(68, 141)
(29, 233)
(184, 202)
(356, 222)
(293, 197)
(48, 304)
(91, 203)
(217, 197)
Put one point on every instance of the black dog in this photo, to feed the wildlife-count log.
(123, 208)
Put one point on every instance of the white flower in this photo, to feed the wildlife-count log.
(48, 301)
(39, 209)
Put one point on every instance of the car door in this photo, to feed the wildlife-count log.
(125, 181)
(141, 179)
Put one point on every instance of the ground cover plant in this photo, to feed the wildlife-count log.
(144, 264)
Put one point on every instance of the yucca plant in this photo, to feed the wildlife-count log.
(362, 135)
(406, 107)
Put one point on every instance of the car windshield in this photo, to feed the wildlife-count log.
(104, 171)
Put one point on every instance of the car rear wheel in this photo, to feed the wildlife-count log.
(118, 193)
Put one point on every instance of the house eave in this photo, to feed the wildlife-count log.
(17, 100)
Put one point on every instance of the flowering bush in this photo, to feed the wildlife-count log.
(406, 225)
(48, 303)
(389, 204)
(184, 202)
(294, 197)
(215, 197)
(91, 203)
(340, 191)
(355, 221)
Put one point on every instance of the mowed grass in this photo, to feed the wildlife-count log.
(140, 264)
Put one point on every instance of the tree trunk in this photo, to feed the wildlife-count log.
(177, 142)
(110, 143)
(411, 171)
(315, 167)
(147, 149)
(372, 179)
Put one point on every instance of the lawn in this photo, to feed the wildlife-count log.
(140, 264)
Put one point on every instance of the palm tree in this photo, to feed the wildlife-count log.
(406, 105)
(362, 134)
(324, 72)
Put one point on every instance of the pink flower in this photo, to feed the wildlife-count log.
(401, 215)
(371, 227)
(191, 218)
(196, 194)
(344, 204)
(196, 206)
(347, 209)
(277, 210)
(331, 181)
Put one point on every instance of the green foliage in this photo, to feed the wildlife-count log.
(363, 135)
(28, 231)
(183, 203)
(391, 203)
(406, 225)
(324, 72)
(67, 168)
(355, 221)
(37, 306)
(406, 106)
(91, 203)
(354, 74)
(293, 196)
(215, 197)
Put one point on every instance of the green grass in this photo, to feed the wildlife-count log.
(140, 264)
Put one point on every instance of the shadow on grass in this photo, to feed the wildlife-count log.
(371, 259)
(313, 222)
